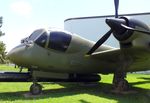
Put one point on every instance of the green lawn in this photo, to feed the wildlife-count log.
(77, 93)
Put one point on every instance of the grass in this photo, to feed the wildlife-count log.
(77, 93)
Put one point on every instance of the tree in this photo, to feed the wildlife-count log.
(1, 23)
(2, 45)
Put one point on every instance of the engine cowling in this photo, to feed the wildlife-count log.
(122, 34)
(128, 31)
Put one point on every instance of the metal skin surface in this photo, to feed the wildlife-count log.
(74, 60)
(71, 61)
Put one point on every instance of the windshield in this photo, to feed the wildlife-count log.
(35, 34)
(42, 39)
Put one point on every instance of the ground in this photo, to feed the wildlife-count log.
(77, 93)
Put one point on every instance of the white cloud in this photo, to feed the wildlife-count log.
(21, 7)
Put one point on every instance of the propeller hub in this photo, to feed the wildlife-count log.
(115, 25)
(119, 28)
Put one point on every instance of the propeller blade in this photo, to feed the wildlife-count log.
(116, 2)
(133, 29)
(100, 42)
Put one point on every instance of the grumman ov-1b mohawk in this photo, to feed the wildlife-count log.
(57, 55)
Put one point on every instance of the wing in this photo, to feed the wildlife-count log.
(136, 59)
(108, 55)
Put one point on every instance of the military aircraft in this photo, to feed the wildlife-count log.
(58, 55)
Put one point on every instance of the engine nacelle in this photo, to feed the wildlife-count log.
(125, 36)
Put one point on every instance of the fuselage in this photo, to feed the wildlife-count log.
(63, 52)
(58, 51)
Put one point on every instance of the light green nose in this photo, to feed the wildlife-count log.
(18, 55)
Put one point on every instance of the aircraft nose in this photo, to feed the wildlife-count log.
(11, 54)
(18, 55)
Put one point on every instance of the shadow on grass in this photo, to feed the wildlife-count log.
(100, 90)
(145, 78)
(140, 82)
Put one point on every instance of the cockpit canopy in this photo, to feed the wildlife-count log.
(59, 40)
(56, 40)
(42, 39)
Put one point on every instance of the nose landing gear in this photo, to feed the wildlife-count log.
(35, 89)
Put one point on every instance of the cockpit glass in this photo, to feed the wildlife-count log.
(35, 34)
(59, 40)
(41, 40)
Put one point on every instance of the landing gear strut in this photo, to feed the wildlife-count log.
(119, 82)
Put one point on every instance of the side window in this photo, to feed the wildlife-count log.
(59, 41)
(41, 41)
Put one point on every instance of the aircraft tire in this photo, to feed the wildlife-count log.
(122, 85)
(35, 89)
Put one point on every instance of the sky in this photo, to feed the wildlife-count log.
(22, 17)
